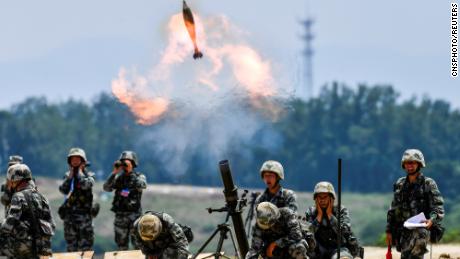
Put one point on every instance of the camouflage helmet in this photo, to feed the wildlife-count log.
(274, 167)
(149, 227)
(130, 155)
(75, 151)
(324, 187)
(267, 214)
(18, 172)
(14, 159)
(413, 155)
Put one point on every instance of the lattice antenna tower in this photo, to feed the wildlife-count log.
(308, 57)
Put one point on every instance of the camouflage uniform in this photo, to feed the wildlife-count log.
(326, 232)
(5, 198)
(126, 204)
(170, 243)
(17, 239)
(283, 198)
(6, 195)
(78, 223)
(285, 232)
(409, 200)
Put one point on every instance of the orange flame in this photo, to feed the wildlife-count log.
(227, 62)
(147, 110)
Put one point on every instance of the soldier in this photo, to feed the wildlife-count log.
(159, 237)
(76, 210)
(276, 234)
(128, 186)
(324, 225)
(414, 194)
(272, 173)
(6, 196)
(27, 230)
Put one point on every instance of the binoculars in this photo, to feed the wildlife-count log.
(119, 163)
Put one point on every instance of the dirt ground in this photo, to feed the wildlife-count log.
(448, 251)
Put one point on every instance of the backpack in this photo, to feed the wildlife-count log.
(187, 231)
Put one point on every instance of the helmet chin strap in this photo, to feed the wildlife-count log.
(415, 172)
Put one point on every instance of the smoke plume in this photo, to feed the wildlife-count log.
(202, 106)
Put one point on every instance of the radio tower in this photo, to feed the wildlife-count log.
(306, 87)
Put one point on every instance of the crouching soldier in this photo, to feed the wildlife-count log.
(159, 237)
(28, 227)
(128, 185)
(414, 194)
(324, 225)
(276, 234)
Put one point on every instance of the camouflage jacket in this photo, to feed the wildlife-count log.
(326, 231)
(410, 199)
(128, 191)
(6, 196)
(171, 238)
(285, 232)
(283, 198)
(19, 222)
(80, 189)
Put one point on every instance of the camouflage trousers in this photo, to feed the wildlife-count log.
(413, 243)
(15, 248)
(124, 229)
(78, 232)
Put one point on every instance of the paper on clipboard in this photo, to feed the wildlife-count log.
(416, 221)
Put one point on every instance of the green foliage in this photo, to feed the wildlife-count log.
(451, 235)
(368, 127)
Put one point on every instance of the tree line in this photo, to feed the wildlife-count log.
(369, 127)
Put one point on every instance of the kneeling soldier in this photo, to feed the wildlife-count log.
(324, 225)
(276, 234)
(159, 237)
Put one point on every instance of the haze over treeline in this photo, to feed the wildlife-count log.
(369, 127)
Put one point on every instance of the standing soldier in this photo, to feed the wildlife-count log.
(6, 195)
(159, 237)
(76, 210)
(414, 194)
(272, 173)
(324, 225)
(128, 185)
(276, 234)
(27, 230)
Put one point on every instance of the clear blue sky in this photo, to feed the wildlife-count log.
(63, 49)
